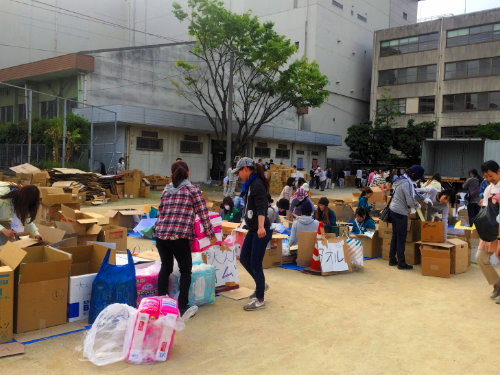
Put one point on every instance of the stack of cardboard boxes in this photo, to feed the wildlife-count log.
(158, 182)
(411, 250)
(27, 174)
(51, 200)
(134, 185)
(441, 257)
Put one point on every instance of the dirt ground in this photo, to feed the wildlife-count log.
(378, 321)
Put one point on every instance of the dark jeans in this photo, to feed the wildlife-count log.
(399, 233)
(252, 254)
(472, 211)
(358, 182)
(317, 182)
(181, 249)
(322, 185)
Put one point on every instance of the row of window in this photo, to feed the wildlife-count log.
(406, 45)
(460, 69)
(48, 110)
(478, 101)
(472, 35)
(458, 37)
(407, 75)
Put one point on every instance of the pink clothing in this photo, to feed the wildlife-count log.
(371, 176)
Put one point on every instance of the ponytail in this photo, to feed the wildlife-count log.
(179, 172)
(260, 171)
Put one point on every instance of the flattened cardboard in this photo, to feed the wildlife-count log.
(42, 289)
(237, 294)
(306, 243)
(25, 169)
(11, 349)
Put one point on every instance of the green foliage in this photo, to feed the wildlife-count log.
(408, 140)
(369, 142)
(386, 110)
(267, 81)
(489, 131)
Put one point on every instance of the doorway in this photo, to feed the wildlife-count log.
(218, 170)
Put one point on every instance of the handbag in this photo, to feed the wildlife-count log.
(384, 214)
(486, 223)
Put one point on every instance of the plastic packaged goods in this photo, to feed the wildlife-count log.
(201, 244)
(202, 290)
(154, 330)
(146, 276)
(215, 220)
(113, 284)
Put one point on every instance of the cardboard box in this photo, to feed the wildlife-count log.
(42, 289)
(132, 180)
(372, 247)
(11, 257)
(114, 234)
(432, 231)
(378, 196)
(120, 189)
(385, 230)
(228, 227)
(273, 255)
(444, 258)
(86, 261)
(55, 195)
(80, 221)
(343, 212)
(124, 217)
(144, 192)
(306, 242)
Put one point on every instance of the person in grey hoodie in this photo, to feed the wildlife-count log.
(304, 223)
(403, 202)
(437, 202)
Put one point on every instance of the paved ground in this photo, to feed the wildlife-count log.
(378, 321)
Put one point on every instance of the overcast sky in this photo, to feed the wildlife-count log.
(430, 8)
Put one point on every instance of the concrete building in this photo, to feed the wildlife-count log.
(447, 70)
(337, 34)
(154, 124)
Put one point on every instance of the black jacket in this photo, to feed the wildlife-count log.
(256, 204)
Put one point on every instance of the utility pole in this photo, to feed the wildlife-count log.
(29, 113)
(229, 112)
(64, 133)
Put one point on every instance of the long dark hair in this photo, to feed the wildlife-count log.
(360, 211)
(25, 201)
(257, 168)
(436, 177)
(180, 172)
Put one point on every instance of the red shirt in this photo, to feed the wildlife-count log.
(177, 213)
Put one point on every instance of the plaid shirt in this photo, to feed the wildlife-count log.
(177, 213)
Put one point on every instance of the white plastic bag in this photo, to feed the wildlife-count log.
(109, 337)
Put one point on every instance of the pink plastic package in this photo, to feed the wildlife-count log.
(154, 330)
(146, 276)
(201, 244)
(215, 220)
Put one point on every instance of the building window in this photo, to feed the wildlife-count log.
(405, 16)
(458, 132)
(262, 152)
(398, 105)
(411, 44)
(149, 144)
(191, 145)
(21, 112)
(48, 109)
(299, 152)
(314, 153)
(472, 35)
(472, 68)
(407, 75)
(337, 4)
(478, 101)
(7, 113)
(426, 104)
(282, 152)
(297, 45)
(362, 18)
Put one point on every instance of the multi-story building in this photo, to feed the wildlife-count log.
(446, 70)
(337, 34)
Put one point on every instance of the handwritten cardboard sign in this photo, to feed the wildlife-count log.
(224, 261)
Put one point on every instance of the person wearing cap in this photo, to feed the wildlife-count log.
(299, 200)
(255, 193)
(326, 215)
(404, 200)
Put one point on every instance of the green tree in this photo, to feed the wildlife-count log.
(490, 130)
(369, 142)
(387, 111)
(409, 140)
(266, 81)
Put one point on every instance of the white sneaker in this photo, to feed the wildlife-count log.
(254, 305)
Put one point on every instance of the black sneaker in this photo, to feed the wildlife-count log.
(405, 267)
(393, 263)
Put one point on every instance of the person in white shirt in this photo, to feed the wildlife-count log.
(322, 179)
(230, 187)
(359, 176)
(437, 202)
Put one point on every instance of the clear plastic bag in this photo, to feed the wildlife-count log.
(108, 339)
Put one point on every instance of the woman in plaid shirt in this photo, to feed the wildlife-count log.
(180, 202)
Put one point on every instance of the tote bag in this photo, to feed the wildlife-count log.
(486, 223)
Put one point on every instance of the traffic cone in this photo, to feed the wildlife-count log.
(315, 267)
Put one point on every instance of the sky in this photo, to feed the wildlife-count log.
(431, 8)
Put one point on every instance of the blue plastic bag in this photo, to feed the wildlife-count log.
(113, 284)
